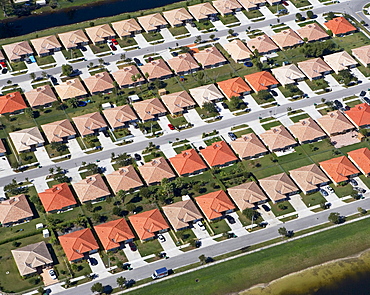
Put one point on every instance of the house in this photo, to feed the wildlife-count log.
(238, 51)
(70, 89)
(287, 39)
(206, 93)
(361, 159)
(125, 178)
(119, 117)
(278, 187)
(99, 83)
(340, 26)
(100, 34)
(79, 244)
(288, 74)
(12, 103)
(46, 45)
(226, 7)
(218, 154)
(263, 44)
(234, 87)
(15, 210)
(314, 68)
(306, 131)
(178, 103)
(154, 171)
(90, 123)
(148, 224)
(183, 64)
(261, 81)
(2, 58)
(31, 259)
(202, 11)
(152, 22)
(247, 195)
(156, 69)
(340, 61)
(273, 2)
(249, 146)
(17, 51)
(73, 39)
(278, 139)
(127, 27)
(149, 109)
(177, 17)
(309, 178)
(40, 96)
(210, 58)
(59, 131)
(334, 123)
(58, 198)
(26, 140)
(114, 233)
(129, 76)
(362, 54)
(182, 215)
(2, 148)
(252, 4)
(188, 163)
(339, 169)
(313, 32)
(359, 115)
(92, 188)
(215, 205)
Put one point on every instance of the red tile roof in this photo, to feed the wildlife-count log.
(338, 169)
(218, 153)
(11, 102)
(339, 25)
(187, 162)
(57, 197)
(261, 80)
(233, 87)
(214, 204)
(359, 114)
(361, 158)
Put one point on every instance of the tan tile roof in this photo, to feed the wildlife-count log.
(362, 54)
(339, 169)
(214, 204)
(40, 96)
(70, 88)
(177, 16)
(126, 27)
(125, 178)
(156, 69)
(152, 21)
(340, 61)
(247, 195)
(118, 116)
(234, 87)
(313, 32)
(334, 122)
(288, 74)
(57, 197)
(155, 170)
(261, 80)
(149, 108)
(2, 147)
(248, 145)
(181, 214)
(99, 82)
(183, 63)
(237, 50)
(209, 57)
(359, 114)
(91, 188)
(25, 138)
(218, 153)
(16, 50)
(73, 38)
(30, 257)
(187, 162)
(262, 43)
(56, 131)
(202, 10)
(1, 55)
(314, 67)
(251, 4)
(287, 38)
(278, 186)
(277, 138)
(100, 33)
(124, 76)
(45, 44)
(86, 124)
(308, 177)
(226, 6)
(14, 209)
(178, 101)
(206, 93)
(306, 130)
(361, 158)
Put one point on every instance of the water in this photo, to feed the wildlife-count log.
(29, 24)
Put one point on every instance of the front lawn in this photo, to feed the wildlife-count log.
(177, 121)
(295, 119)
(228, 19)
(126, 41)
(54, 153)
(281, 208)
(343, 191)
(72, 53)
(185, 235)
(219, 226)
(212, 140)
(149, 247)
(176, 31)
(318, 84)
(99, 48)
(290, 91)
(312, 199)
(255, 13)
(45, 60)
(153, 155)
(203, 25)
(261, 100)
(181, 148)
(300, 3)
(270, 125)
(149, 127)
(154, 36)
(204, 114)
(18, 66)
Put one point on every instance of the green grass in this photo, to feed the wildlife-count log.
(45, 60)
(152, 36)
(270, 125)
(353, 103)
(343, 191)
(72, 53)
(18, 66)
(212, 140)
(228, 19)
(153, 155)
(317, 84)
(181, 148)
(242, 132)
(281, 208)
(255, 13)
(351, 41)
(366, 180)
(99, 48)
(176, 31)
(203, 25)
(312, 199)
(204, 114)
(287, 92)
(127, 41)
(275, 8)
(53, 153)
(178, 121)
(300, 3)
(219, 226)
(149, 247)
(295, 119)
(364, 70)
(185, 235)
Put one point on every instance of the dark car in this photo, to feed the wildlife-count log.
(353, 182)
(93, 261)
(230, 219)
(232, 136)
(362, 93)
(54, 80)
(132, 246)
(4, 70)
(324, 193)
(137, 61)
(137, 157)
(274, 93)
(114, 48)
(82, 48)
(285, 3)
(174, 53)
(266, 208)
(367, 100)
(338, 104)
(224, 105)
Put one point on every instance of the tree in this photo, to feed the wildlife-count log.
(184, 49)
(73, 102)
(330, 15)
(67, 70)
(283, 231)
(212, 37)
(299, 17)
(33, 76)
(29, 113)
(97, 288)
(310, 14)
(121, 282)
(116, 211)
(250, 213)
(209, 107)
(44, 74)
(130, 207)
(67, 282)
(231, 32)
(101, 61)
(334, 217)
(236, 103)
(361, 210)
(202, 259)
(264, 95)
(123, 56)
(58, 146)
(41, 290)
(198, 39)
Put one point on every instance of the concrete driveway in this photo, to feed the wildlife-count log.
(237, 227)
(193, 117)
(46, 278)
(299, 206)
(43, 157)
(40, 184)
(75, 149)
(100, 267)
(169, 246)
(361, 184)
(105, 141)
(332, 198)
(133, 257)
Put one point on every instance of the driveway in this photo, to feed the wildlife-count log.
(163, 122)
(333, 83)
(43, 157)
(280, 98)
(169, 246)
(268, 215)
(332, 198)
(75, 149)
(59, 58)
(167, 36)
(193, 117)
(251, 103)
(225, 113)
(305, 88)
(100, 267)
(40, 184)
(299, 206)
(256, 126)
(313, 112)
(362, 185)
(141, 41)
(74, 174)
(219, 25)
(46, 278)
(5, 168)
(202, 234)
(242, 17)
(133, 257)
(168, 150)
(105, 141)
(192, 30)
(237, 227)
(358, 74)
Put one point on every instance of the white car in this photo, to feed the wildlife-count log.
(201, 225)
(161, 238)
(52, 274)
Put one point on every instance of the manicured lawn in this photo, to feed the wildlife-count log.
(149, 247)
(228, 19)
(304, 161)
(364, 70)
(176, 31)
(178, 121)
(300, 3)
(272, 170)
(312, 199)
(366, 180)
(260, 100)
(121, 132)
(270, 125)
(242, 132)
(126, 41)
(18, 66)
(295, 119)
(317, 147)
(353, 147)
(203, 184)
(219, 226)
(275, 8)
(343, 191)
(99, 48)
(203, 113)
(185, 235)
(212, 140)
(203, 25)
(150, 126)
(281, 208)
(317, 84)
(290, 91)
(353, 103)
(72, 53)
(53, 153)
(253, 13)
(181, 148)
(245, 221)
(153, 155)
(323, 156)
(45, 60)
(351, 41)
(152, 36)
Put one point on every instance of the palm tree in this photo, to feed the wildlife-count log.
(44, 74)
(121, 281)
(101, 61)
(33, 76)
(73, 102)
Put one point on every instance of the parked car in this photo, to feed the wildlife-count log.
(230, 219)
(362, 93)
(93, 261)
(137, 157)
(266, 208)
(161, 238)
(132, 246)
(274, 93)
(285, 3)
(114, 48)
(3, 64)
(224, 105)
(52, 274)
(174, 53)
(115, 42)
(232, 136)
(137, 61)
(353, 182)
(359, 189)
(171, 127)
(201, 225)
(338, 104)
(367, 100)
(4, 70)
(330, 189)
(324, 192)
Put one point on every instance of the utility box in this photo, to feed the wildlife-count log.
(45, 233)
(39, 226)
